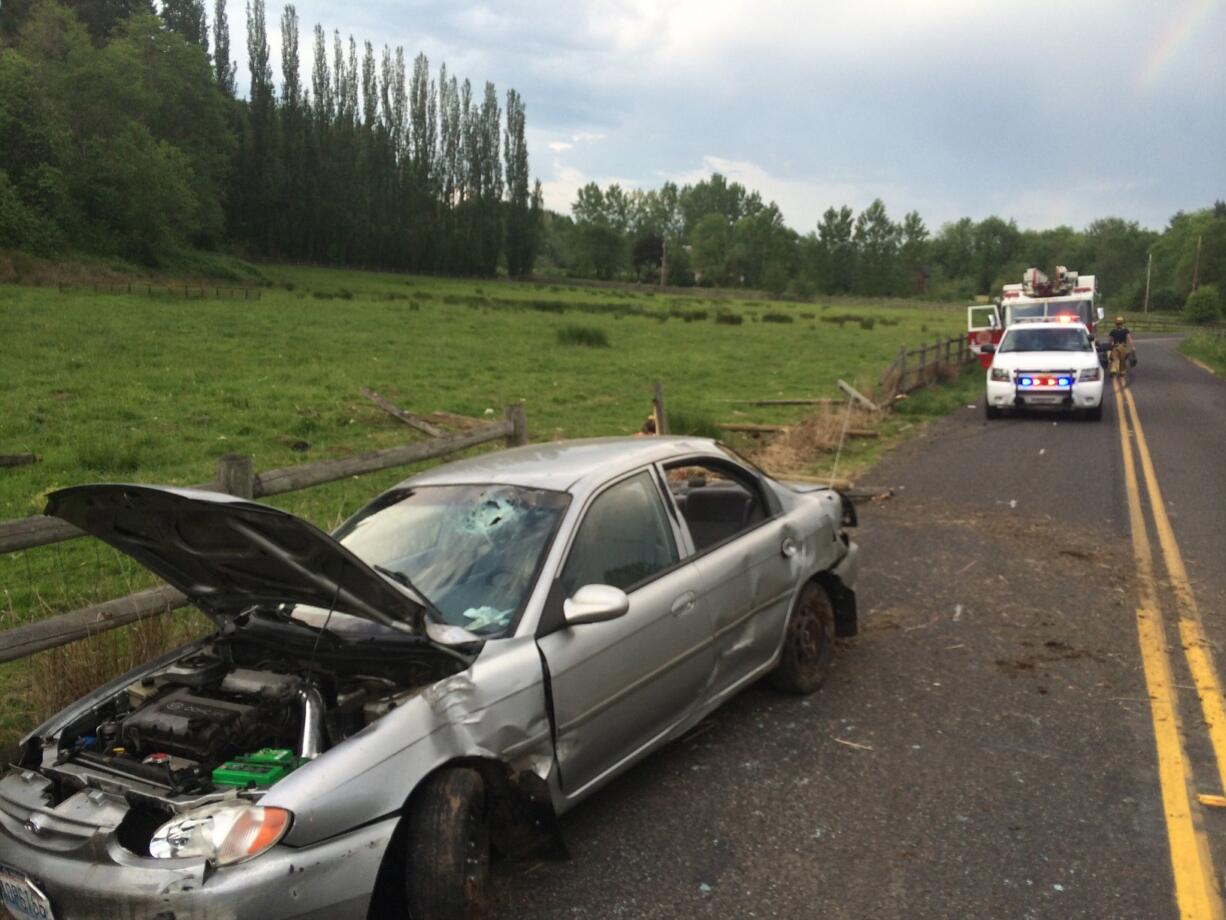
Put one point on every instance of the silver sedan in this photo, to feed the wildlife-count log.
(382, 709)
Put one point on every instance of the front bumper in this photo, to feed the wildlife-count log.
(97, 877)
(1085, 394)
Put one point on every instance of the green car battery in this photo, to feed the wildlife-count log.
(261, 769)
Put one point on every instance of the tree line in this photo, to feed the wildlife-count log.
(720, 233)
(121, 134)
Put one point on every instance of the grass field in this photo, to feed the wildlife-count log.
(132, 388)
(1208, 348)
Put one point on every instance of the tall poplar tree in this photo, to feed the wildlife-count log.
(223, 67)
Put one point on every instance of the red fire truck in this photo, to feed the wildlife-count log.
(1068, 297)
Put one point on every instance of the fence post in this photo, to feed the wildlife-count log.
(657, 403)
(514, 414)
(902, 369)
(236, 475)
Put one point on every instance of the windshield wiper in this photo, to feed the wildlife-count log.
(402, 579)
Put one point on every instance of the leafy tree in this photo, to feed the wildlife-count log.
(758, 241)
(710, 240)
(101, 17)
(717, 196)
(599, 250)
(878, 240)
(996, 244)
(1118, 251)
(187, 17)
(914, 253)
(836, 249)
(953, 249)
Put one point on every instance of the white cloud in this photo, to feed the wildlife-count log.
(559, 146)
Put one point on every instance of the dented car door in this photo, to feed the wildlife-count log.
(618, 686)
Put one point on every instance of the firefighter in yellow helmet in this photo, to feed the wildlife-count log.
(1122, 349)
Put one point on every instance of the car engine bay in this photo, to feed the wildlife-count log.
(231, 716)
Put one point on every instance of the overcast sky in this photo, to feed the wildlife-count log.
(1045, 112)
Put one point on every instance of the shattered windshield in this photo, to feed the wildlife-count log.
(1072, 339)
(473, 551)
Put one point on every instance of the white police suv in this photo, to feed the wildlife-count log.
(1045, 365)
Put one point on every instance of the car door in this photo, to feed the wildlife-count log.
(618, 686)
(743, 548)
(983, 328)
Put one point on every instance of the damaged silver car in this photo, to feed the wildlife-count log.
(382, 711)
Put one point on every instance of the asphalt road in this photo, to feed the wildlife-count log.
(987, 747)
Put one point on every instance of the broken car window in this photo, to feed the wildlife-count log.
(474, 551)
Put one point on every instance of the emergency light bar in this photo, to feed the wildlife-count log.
(1028, 381)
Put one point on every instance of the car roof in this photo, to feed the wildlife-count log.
(564, 466)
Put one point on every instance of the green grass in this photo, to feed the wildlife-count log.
(1208, 348)
(132, 388)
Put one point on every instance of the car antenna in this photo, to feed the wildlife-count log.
(842, 437)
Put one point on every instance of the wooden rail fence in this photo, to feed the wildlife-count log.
(235, 476)
(917, 367)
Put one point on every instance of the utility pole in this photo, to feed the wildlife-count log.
(1149, 266)
(1196, 264)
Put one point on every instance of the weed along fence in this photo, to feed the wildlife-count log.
(235, 476)
(917, 367)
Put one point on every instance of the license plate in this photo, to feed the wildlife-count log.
(22, 897)
(1044, 400)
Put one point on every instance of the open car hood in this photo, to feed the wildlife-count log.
(228, 554)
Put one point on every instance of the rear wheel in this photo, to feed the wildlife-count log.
(447, 851)
(809, 644)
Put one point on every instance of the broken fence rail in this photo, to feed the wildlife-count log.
(236, 477)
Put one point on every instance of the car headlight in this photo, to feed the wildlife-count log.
(1090, 373)
(223, 833)
(1000, 375)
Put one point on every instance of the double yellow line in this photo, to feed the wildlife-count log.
(1196, 886)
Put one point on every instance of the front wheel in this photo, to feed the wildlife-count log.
(990, 411)
(447, 857)
(1095, 414)
(809, 644)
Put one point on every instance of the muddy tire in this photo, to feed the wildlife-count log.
(447, 849)
(809, 644)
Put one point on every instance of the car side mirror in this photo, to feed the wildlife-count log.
(988, 349)
(1100, 313)
(595, 604)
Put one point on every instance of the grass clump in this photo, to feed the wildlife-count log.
(587, 336)
(777, 318)
(729, 319)
(108, 455)
(693, 422)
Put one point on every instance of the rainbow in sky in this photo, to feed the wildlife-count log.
(1181, 27)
